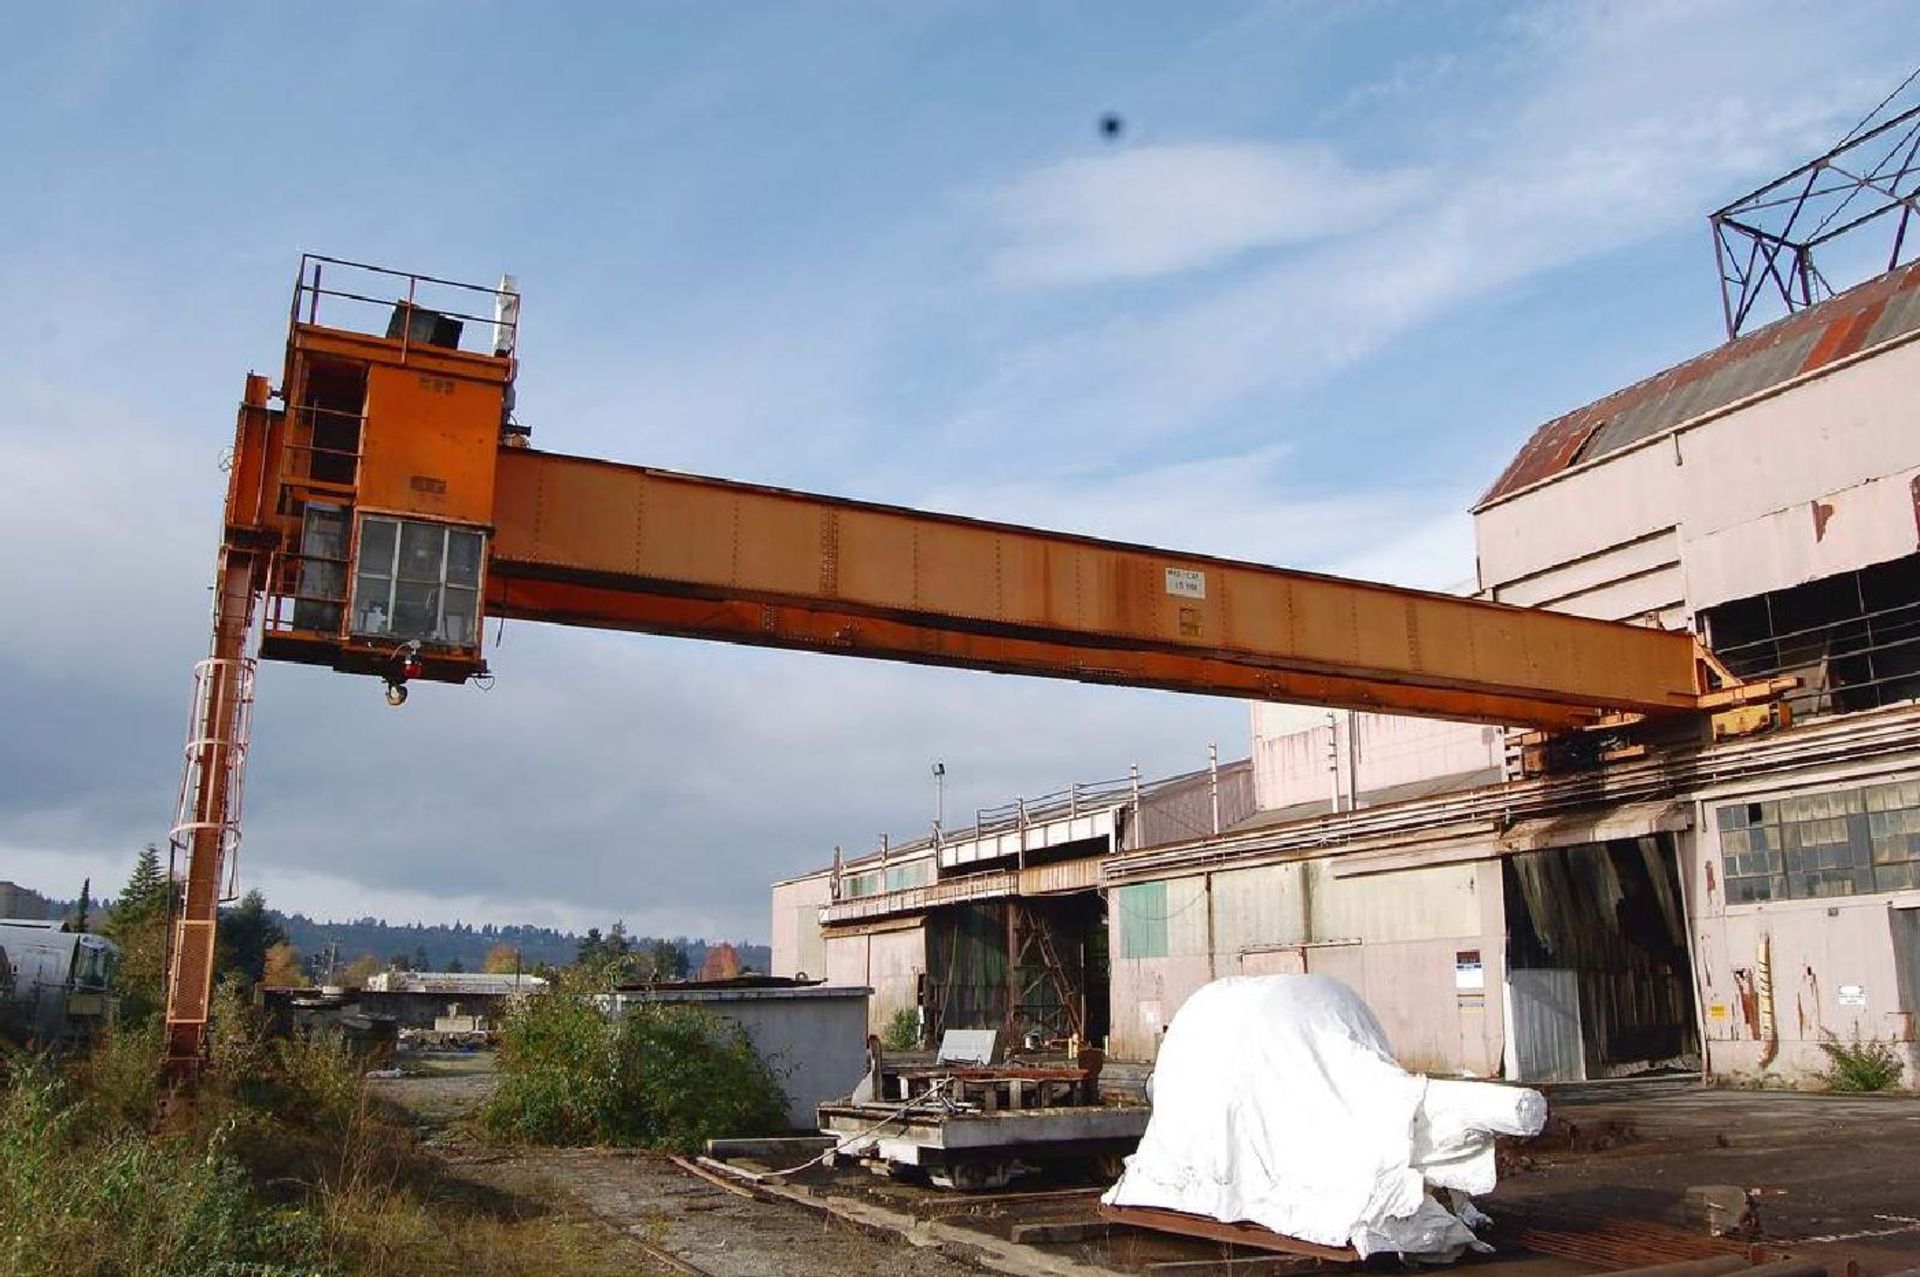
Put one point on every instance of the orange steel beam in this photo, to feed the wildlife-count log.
(419, 430)
(595, 543)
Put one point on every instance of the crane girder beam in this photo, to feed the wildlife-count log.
(385, 509)
(594, 543)
(618, 607)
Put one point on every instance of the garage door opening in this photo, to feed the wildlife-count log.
(1599, 979)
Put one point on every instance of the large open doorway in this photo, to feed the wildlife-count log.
(1035, 964)
(1599, 979)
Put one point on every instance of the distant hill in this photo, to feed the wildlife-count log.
(441, 946)
(23, 902)
(430, 948)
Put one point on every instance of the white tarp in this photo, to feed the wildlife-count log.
(1276, 1100)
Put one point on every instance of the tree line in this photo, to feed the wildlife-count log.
(261, 944)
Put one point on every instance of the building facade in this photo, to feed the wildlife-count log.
(1736, 905)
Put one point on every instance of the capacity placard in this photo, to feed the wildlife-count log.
(1186, 583)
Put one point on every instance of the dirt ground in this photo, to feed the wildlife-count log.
(1834, 1178)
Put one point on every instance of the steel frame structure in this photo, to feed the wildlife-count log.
(1764, 242)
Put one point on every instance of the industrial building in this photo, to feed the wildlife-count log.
(1003, 921)
(1728, 904)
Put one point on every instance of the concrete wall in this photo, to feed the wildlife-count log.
(1834, 963)
(1395, 938)
(814, 1040)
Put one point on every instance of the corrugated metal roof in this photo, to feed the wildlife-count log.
(1879, 310)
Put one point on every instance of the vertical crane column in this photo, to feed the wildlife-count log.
(206, 829)
(206, 823)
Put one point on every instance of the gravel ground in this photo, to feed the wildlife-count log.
(1834, 1178)
(646, 1196)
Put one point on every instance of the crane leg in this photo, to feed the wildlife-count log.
(206, 830)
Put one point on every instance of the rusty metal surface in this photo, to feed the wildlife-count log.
(1237, 1234)
(593, 543)
(1612, 1241)
(1873, 312)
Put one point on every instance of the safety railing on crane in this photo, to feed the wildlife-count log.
(333, 292)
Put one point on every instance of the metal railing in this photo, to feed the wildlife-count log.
(350, 287)
(307, 456)
(291, 585)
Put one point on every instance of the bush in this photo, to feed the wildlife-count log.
(903, 1030)
(662, 1075)
(1862, 1066)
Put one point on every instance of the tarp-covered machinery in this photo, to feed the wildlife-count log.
(1278, 1107)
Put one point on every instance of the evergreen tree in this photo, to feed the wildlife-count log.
(145, 895)
(83, 906)
(245, 934)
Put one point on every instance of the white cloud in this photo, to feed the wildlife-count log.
(1157, 210)
(1609, 125)
(1251, 506)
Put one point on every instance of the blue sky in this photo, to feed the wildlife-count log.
(1340, 263)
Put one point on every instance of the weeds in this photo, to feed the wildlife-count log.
(1859, 1066)
(661, 1075)
(902, 1032)
(123, 1201)
(280, 1167)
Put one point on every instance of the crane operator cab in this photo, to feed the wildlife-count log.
(371, 486)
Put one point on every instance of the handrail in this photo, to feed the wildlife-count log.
(309, 289)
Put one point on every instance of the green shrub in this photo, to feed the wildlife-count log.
(903, 1030)
(554, 1074)
(1858, 1066)
(663, 1075)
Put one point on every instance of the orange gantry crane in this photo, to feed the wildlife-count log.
(382, 504)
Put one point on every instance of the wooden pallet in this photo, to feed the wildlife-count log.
(1239, 1233)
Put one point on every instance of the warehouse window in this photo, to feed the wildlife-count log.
(1853, 639)
(1845, 843)
(913, 874)
(1143, 927)
(418, 580)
